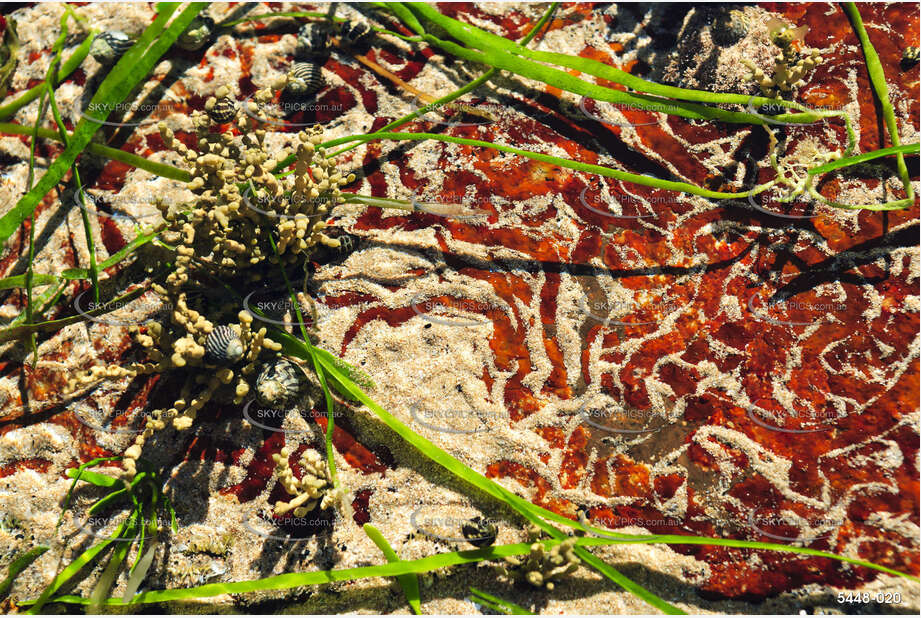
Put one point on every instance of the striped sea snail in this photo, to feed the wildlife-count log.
(353, 34)
(304, 79)
(223, 346)
(223, 110)
(110, 46)
(280, 384)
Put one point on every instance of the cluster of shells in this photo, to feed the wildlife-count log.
(223, 235)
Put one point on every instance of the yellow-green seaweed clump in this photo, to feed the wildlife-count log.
(314, 487)
(541, 567)
(790, 65)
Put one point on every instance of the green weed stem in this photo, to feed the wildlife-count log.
(64, 72)
(648, 181)
(158, 169)
(881, 89)
(485, 77)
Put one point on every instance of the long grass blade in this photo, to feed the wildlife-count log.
(107, 579)
(139, 572)
(881, 89)
(866, 156)
(410, 582)
(128, 158)
(648, 181)
(19, 565)
(130, 69)
(498, 605)
(294, 580)
(74, 567)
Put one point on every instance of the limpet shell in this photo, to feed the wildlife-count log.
(110, 46)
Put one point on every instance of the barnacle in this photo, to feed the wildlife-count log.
(541, 567)
(314, 487)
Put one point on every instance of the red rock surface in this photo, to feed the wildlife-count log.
(862, 354)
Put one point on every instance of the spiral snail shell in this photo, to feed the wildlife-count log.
(280, 384)
(353, 34)
(304, 79)
(223, 346)
(109, 46)
(223, 110)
